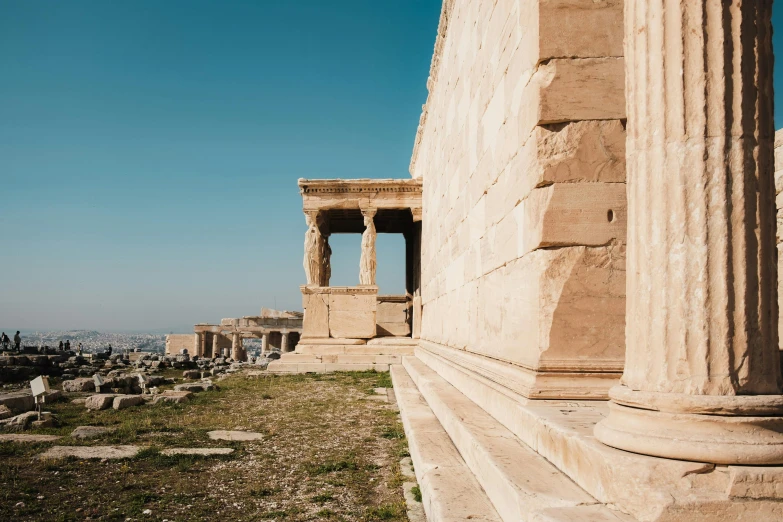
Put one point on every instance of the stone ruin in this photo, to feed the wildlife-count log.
(279, 332)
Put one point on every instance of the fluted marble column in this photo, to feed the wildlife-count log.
(284, 342)
(702, 375)
(264, 344)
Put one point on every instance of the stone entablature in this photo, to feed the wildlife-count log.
(328, 194)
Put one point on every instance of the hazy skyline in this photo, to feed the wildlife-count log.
(149, 150)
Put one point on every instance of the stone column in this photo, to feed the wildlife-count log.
(284, 342)
(196, 345)
(264, 344)
(203, 348)
(313, 249)
(367, 265)
(215, 345)
(236, 346)
(702, 377)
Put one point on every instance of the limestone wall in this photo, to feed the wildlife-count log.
(521, 147)
(779, 202)
(177, 342)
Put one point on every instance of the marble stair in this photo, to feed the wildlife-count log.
(471, 467)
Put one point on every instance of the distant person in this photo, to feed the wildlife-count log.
(80, 348)
(108, 350)
(61, 347)
(67, 345)
(4, 341)
(18, 341)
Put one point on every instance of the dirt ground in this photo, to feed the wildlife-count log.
(329, 452)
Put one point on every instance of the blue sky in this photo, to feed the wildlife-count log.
(149, 150)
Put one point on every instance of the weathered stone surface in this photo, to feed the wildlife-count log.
(191, 374)
(177, 397)
(18, 401)
(79, 385)
(205, 452)
(126, 401)
(316, 318)
(89, 432)
(194, 387)
(589, 89)
(344, 323)
(234, 435)
(90, 452)
(99, 401)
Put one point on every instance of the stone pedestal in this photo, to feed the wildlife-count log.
(702, 377)
(339, 312)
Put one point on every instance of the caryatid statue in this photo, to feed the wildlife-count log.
(313, 250)
(368, 263)
(326, 273)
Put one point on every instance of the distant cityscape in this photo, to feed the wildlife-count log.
(94, 341)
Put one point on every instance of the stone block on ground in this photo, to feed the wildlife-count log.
(100, 401)
(197, 451)
(19, 422)
(18, 401)
(195, 387)
(126, 401)
(191, 374)
(5, 412)
(90, 452)
(88, 432)
(173, 396)
(234, 435)
(82, 384)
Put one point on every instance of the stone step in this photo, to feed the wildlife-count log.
(280, 366)
(449, 490)
(521, 484)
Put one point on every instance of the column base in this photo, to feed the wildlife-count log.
(746, 430)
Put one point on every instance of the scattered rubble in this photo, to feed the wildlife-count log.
(90, 452)
(88, 432)
(234, 435)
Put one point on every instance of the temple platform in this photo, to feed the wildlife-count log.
(538, 459)
(341, 355)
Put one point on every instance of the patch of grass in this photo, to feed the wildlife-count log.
(385, 512)
(331, 466)
(323, 497)
(394, 432)
(322, 448)
(416, 491)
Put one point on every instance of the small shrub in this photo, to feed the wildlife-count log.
(416, 493)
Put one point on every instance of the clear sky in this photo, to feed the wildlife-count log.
(149, 150)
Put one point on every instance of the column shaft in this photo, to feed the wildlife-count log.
(701, 326)
(284, 342)
(264, 344)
